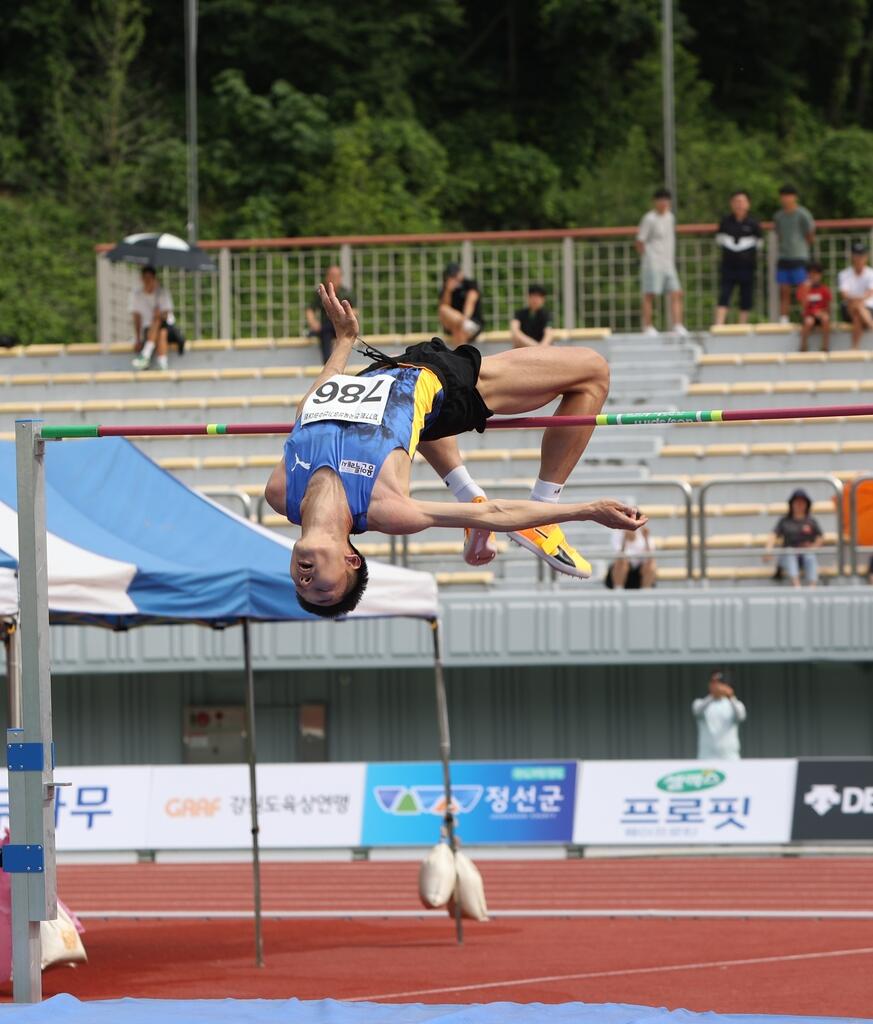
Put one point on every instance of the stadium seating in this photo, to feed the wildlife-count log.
(262, 379)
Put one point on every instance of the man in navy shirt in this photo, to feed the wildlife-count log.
(739, 238)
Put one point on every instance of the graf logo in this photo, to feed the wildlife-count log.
(413, 800)
(691, 780)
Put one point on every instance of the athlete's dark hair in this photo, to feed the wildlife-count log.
(536, 289)
(662, 193)
(346, 604)
(740, 192)
(788, 190)
(149, 269)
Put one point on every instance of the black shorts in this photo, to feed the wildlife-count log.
(742, 279)
(634, 579)
(462, 408)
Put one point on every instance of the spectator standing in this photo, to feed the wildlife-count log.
(816, 299)
(718, 719)
(460, 307)
(739, 238)
(151, 307)
(856, 291)
(632, 570)
(656, 243)
(531, 324)
(797, 530)
(318, 321)
(795, 231)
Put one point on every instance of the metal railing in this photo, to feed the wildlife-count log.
(846, 548)
(756, 480)
(262, 286)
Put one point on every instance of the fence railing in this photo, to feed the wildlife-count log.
(262, 286)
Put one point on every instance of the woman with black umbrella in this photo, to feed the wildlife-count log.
(151, 306)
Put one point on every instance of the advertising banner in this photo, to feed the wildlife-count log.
(104, 808)
(834, 800)
(639, 802)
(494, 802)
(300, 805)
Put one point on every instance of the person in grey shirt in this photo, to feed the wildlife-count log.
(718, 719)
(795, 230)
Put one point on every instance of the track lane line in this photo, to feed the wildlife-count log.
(626, 972)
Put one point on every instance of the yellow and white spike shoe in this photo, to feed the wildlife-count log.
(480, 546)
(550, 544)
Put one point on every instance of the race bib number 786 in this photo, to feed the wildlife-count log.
(353, 399)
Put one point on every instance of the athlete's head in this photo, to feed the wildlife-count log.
(453, 273)
(149, 278)
(334, 275)
(536, 297)
(329, 579)
(814, 271)
(859, 256)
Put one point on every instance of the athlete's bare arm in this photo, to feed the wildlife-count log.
(345, 324)
(400, 515)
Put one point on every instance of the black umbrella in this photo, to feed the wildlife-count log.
(160, 250)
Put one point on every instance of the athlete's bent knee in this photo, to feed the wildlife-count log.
(598, 376)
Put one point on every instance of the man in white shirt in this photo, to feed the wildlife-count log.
(718, 719)
(656, 243)
(856, 290)
(151, 307)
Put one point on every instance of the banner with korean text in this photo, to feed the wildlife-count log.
(493, 802)
(685, 802)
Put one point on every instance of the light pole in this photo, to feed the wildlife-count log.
(191, 117)
(668, 99)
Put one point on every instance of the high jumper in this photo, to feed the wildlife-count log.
(346, 465)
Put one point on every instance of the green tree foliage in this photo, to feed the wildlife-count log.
(386, 116)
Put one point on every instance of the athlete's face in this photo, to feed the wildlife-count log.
(323, 574)
(535, 301)
(740, 205)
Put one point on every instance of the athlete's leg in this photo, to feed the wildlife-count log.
(524, 379)
(452, 321)
(480, 546)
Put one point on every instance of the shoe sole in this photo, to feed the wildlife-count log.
(555, 563)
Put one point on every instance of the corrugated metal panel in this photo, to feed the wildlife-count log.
(556, 711)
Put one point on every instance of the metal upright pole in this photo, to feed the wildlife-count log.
(668, 100)
(30, 855)
(253, 788)
(445, 756)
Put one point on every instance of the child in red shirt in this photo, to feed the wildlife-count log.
(816, 299)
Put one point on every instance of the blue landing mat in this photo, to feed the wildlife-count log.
(67, 1010)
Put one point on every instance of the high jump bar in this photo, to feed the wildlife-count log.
(509, 422)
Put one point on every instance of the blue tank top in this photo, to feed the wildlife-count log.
(357, 451)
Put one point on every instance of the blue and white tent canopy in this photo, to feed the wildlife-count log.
(129, 544)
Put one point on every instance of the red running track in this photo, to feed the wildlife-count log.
(761, 965)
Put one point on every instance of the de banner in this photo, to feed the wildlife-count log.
(639, 802)
(834, 799)
(494, 802)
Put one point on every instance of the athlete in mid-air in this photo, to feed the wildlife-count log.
(346, 465)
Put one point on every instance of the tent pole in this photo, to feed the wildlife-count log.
(253, 788)
(445, 756)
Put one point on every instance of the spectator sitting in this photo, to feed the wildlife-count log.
(718, 719)
(460, 309)
(318, 321)
(632, 570)
(151, 306)
(816, 299)
(739, 238)
(795, 230)
(656, 243)
(856, 291)
(796, 530)
(531, 324)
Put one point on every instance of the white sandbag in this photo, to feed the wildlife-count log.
(436, 877)
(60, 941)
(471, 890)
